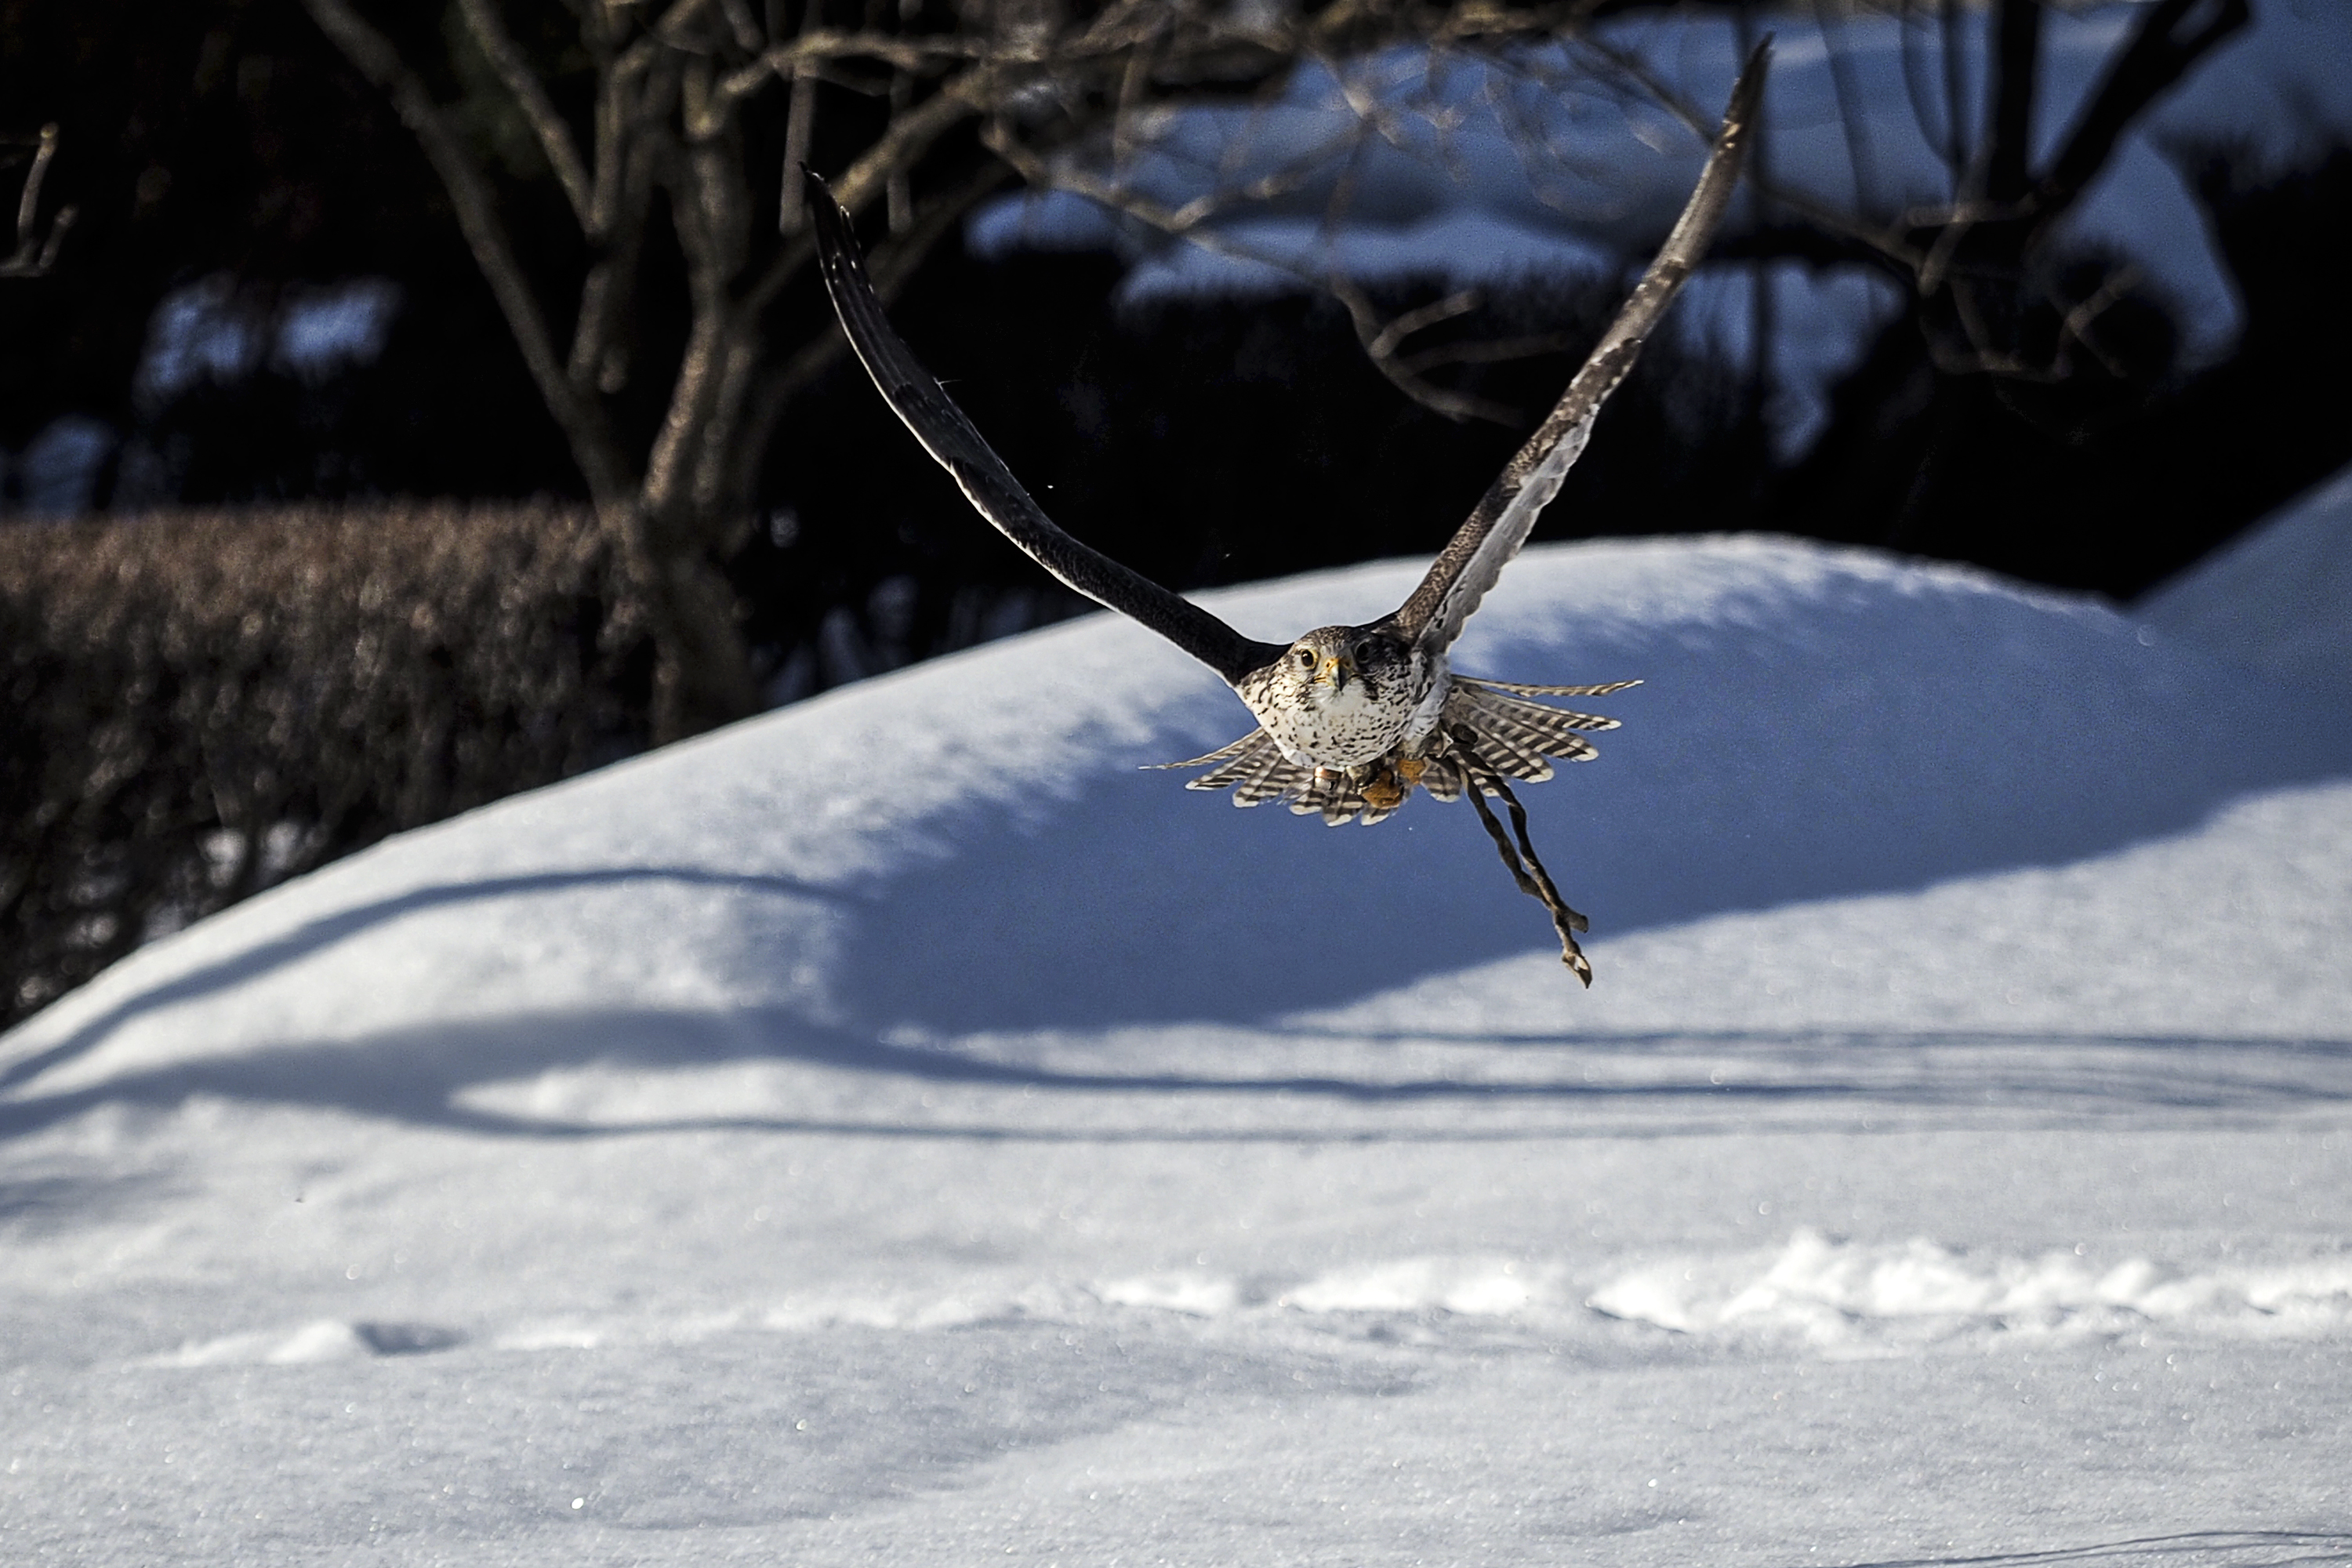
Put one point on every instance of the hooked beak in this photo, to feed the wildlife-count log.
(1334, 671)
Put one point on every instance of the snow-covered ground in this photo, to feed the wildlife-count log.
(2277, 599)
(899, 1129)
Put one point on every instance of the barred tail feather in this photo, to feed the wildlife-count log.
(1257, 765)
(1442, 778)
(1509, 751)
(1331, 796)
(1523, 691)
(1516, 734)
(1254, 763)
(1542, 714)
(1275, 777)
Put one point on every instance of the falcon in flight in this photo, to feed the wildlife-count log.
(1351, 718)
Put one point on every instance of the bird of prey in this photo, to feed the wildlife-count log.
(1351, 718)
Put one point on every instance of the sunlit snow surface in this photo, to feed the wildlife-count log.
(900, 1129)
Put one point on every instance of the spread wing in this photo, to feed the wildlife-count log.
(949, 437)
(1495, 530)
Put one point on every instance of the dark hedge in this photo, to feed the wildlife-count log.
(195, 705)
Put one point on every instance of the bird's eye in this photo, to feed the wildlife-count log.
(1305, 657)
(1364, 651)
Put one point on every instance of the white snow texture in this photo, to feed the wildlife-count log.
(900, 1129)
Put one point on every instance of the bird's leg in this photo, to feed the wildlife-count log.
(1525, 869)
(1553, 901)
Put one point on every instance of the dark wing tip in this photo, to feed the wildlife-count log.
(837, 242)
(819, 197)
(1748, 92)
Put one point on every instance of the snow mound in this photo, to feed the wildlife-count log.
(968, 849)
(325, 1339)
(1471, 1287)
(1837, 1293)
(2276, 598)
(2232, 932)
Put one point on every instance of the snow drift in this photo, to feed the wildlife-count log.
(970, 846)
(898, 1129)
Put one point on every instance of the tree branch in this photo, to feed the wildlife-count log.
(909, 136)
(892, 263)
(800, 129)
(1860, 157)
(625, 154)
(1380, 341)
(554, 136)
(582, 420)
(1955, 60)
(2154, 59)
(2017, 61)
(33, 256)
(1919, 96)
(922, 54)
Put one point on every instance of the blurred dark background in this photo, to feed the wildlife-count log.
(264, 309)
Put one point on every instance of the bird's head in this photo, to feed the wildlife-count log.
(1332, 663)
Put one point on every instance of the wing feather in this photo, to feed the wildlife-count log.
(1248, 743)
(1542, 715)
(1492, 535)
(1275, 777)
(1442, 778)
(919, 400)
(1524, 690)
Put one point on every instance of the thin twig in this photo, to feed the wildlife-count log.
(1461, 302)
(1859, 155)
(891, 264)
(800, 127)
(33, 256)
(530, 95)
(1371, 329)
(909, 135)
(582, 420)
(1492, 351)
(1132, 84)
(1956, 129)
(743, 26)
(2076, 327)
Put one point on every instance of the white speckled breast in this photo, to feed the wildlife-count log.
(1361, 723)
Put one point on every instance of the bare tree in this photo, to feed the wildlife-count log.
(1977, 261)
(680, 121)
(699, 111)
